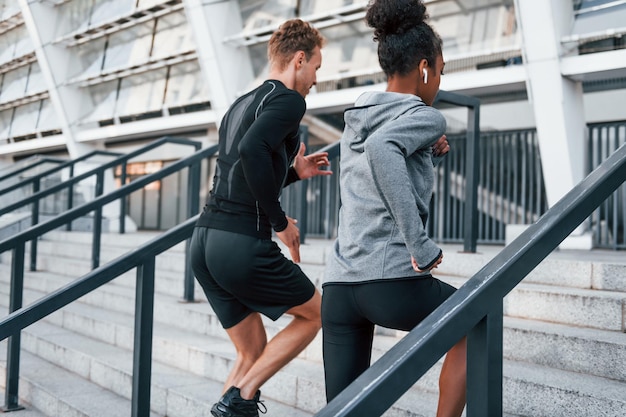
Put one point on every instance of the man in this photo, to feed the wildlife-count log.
(241, 270)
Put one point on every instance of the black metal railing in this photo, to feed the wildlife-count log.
(608, 222)
(142, 257)
(34, 182)
(41, 161)
(98, 172)
(315, 203)
(476, 310)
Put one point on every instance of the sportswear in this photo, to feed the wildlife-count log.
(259, 138)
(386, 184)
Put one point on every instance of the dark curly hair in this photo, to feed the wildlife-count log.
(403, 35)
(292, 36)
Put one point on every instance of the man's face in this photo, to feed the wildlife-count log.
(306, 76)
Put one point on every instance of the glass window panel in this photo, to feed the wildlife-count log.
(48, 119)
(309, 7)
(23, 45)
(25, 119)
(5, 123)
(10, 8)
(129, 47)
(256, 14)
(7, 46)
(186, 85)
(14, 84)
(599, 20)
(102, 101)
(36, 82)
(145, 4)
(489, 26)
(349, 47)
(106, 10)
(173, 36)
(91, 57)
(73, 16)
(141, 93)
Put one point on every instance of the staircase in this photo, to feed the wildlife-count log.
(564, 341)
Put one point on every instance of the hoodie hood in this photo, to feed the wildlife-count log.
(373, 109)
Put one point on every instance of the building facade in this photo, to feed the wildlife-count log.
(79, 75)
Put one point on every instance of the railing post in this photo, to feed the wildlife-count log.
(11, 395)
(302, 191)
(193, 204)
(470, 215)
(123, 200)
(484, 366)
(34, 219)
(97, 223)
(142, 350)
(70, 197)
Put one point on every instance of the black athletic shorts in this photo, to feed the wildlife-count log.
(350, 312)
(241, 274)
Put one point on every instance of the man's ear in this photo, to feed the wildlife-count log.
(299, 59)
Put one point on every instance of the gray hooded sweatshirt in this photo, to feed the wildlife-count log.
(387, 176)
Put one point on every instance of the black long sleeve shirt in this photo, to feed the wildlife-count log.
(258, 139)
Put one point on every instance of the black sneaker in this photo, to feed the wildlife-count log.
(232, 405)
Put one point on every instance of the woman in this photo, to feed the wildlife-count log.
(380, 269)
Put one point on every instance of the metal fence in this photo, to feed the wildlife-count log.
(510, 190)
(510, 187)
(609, 220)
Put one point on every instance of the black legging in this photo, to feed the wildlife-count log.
(350, 311)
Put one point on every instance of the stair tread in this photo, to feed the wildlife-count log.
(65, 392)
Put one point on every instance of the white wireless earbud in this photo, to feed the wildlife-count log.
(425, 76)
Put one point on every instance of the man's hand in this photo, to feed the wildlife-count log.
(310, 165)
(441, 147)
(291, 238)
(416, 268)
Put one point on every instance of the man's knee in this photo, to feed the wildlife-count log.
(310, 311)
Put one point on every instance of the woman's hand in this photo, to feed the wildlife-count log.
(441, 147)
(416, 268)
(310, 165)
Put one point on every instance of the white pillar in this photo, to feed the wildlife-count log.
(556, 100)
(69, 101)
(227, 69)
(55, 61)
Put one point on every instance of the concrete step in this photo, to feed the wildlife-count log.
(49, 390)
(210, 356)
(599, 309)
(596, 269)
(573, 306)
(184, 331)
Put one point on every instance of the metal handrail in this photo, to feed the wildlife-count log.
(145, 284)
(31, 166)
(99, 189)
(35, 179)
(472, 160)
(144, 259)
(476, 310)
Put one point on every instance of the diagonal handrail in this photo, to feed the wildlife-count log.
(145, 277)
(475, 310)
(48, 304)
(110, 164)
(98, 172)
(35, 179)
(38, 230)
(142, 258)
(41, 161)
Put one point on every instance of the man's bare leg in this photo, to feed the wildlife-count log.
(249, 338)
(281, 349)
